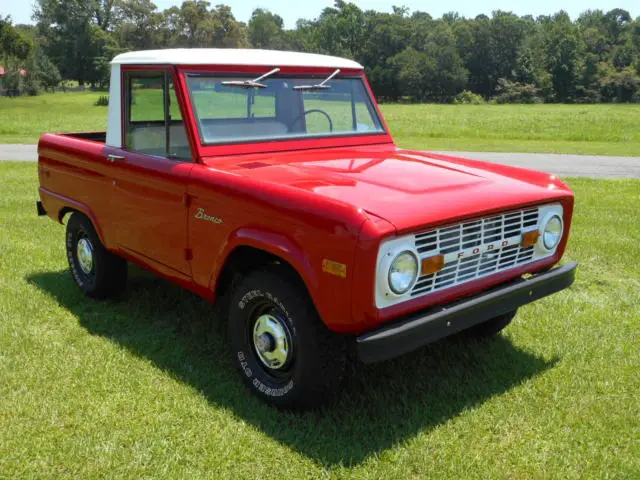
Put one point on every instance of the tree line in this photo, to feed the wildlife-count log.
(407, 55)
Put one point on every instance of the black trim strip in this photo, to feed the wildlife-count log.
(427, 326)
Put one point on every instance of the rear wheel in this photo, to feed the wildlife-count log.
(97, 272)
(491, 327)
(285, 353)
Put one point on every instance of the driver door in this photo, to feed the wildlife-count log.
(151, 174)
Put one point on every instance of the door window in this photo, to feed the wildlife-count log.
(154, 124)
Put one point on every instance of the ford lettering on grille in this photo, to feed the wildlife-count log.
(475, 249)
(449, 257)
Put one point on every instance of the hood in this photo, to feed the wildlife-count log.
(407, 188)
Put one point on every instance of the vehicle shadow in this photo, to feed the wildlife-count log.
(380, 405)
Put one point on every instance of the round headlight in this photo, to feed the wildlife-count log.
(552, 232)
(403, 272)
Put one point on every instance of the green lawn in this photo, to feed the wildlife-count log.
(135, 388)
(24, 119)
(579, 129)
(582, 129)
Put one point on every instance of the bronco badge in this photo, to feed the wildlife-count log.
(202, 215)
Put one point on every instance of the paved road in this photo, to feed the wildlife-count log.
(596, 166)
(561, 165)
(18, 152)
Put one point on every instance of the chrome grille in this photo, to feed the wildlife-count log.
(451, 241)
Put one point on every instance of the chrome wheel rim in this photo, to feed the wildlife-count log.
(84, 252)
(272, 341)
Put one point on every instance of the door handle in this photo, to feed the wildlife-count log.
(114, 158)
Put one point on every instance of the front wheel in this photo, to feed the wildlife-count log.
(97, 272)
(285, 353)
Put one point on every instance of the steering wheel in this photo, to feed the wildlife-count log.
(307, 112)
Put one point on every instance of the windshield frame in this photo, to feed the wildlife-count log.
(377, 136)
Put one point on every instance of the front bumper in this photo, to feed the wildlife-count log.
(426, 326)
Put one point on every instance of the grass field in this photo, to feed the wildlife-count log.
(141, 388)
(24, 119)
(581, 129)
(578, 129)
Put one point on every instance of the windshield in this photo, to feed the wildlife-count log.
(239, 109)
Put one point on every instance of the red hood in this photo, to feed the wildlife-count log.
(406, 188)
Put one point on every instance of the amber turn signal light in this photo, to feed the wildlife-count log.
(334, 268)
(432, 264)
(529, 238)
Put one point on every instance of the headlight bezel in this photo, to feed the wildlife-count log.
(389, 250)
(407, 254)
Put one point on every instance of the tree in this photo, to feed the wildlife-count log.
(75, 33)
(385, 36)
(137, 25)
(101, 49)
(12, 80)
(265, 30)
(448, 77)
(507, 35)
(228, 32)
(515, 92)
(615, 22)
(340, 30)
(620, 86)
(412, 67)
(195, 25)
(563, 52)
(478, 57)
(13, 43)
(47, 72)
(31, 80)
(435, 73)
(404, 53)
(526, 70)
(15, 49)
(41, 73)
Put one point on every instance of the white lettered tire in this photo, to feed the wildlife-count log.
(97, 272)
(284, 352)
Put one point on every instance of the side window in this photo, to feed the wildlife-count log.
(146, 131)
(151, 127)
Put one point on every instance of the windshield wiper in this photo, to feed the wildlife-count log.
(255, 83)
(319, 86)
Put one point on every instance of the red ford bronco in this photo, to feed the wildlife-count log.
(269, 183)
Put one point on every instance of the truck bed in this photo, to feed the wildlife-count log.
(100, 137)
(72, 168)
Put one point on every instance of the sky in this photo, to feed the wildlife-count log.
(292, 10)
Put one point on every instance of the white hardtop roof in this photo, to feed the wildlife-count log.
(232, 56)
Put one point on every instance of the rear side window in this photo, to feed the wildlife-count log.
(154, 124)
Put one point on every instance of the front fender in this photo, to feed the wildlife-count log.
(271, 242)
(331, 294)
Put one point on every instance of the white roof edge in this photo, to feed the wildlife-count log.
(233, 56)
